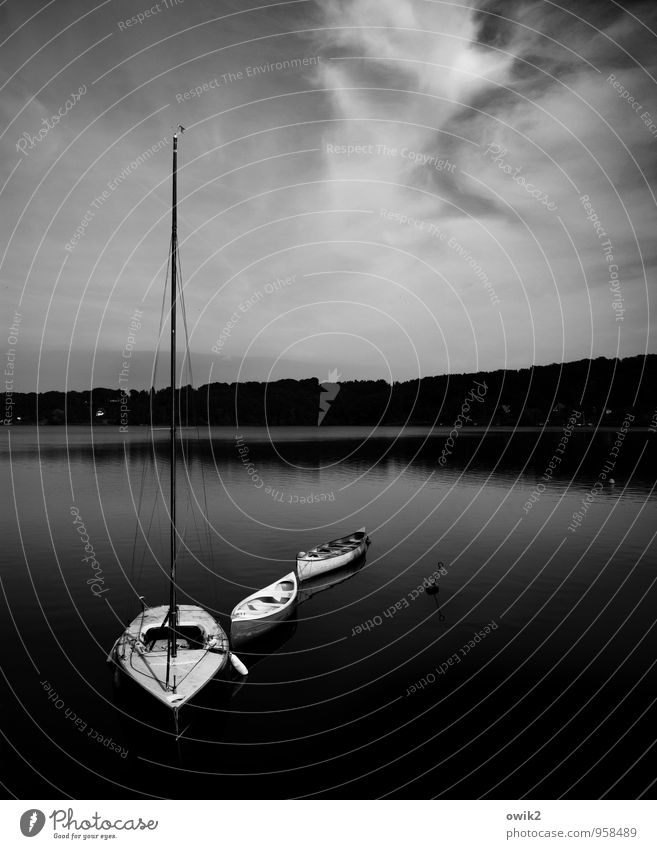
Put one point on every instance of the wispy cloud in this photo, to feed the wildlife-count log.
(423, 155)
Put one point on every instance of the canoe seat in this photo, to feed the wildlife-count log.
(261, 603)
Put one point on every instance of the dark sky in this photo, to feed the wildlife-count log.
(421, 178)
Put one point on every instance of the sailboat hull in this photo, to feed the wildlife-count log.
(202, 652)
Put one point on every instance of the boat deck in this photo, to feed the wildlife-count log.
(145, 660)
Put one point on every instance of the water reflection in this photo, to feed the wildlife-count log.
(558, 598)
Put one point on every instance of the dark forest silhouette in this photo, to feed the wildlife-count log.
(603, 390)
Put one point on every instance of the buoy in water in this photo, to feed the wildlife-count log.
(237, 663)
(432, 588)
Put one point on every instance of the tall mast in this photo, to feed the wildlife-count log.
(173, 609)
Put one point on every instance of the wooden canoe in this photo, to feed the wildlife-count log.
(263, 609)
(202, 652)
(322, 583)
(332, 555)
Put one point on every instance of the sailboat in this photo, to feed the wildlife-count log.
(173, 650)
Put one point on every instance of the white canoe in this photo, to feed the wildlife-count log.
(321, 583)
(331, 555)
(202, 651)
(263, 609)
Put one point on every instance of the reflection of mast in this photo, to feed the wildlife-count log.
(441, 615)
(433, 590)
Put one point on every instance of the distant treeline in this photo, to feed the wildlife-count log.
(602, 390)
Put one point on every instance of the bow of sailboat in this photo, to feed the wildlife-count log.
(143, 652)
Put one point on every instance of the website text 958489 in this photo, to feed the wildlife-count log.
(575, 833)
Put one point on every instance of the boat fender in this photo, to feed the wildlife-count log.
(237, 663)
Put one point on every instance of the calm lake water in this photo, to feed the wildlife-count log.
(529, 673)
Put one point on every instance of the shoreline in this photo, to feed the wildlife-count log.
(372, 429)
